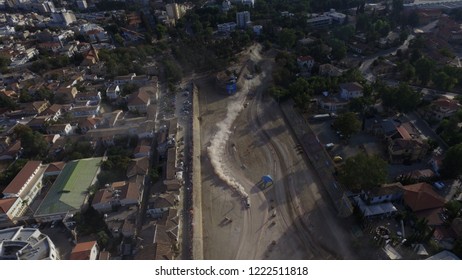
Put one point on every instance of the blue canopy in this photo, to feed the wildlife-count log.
(267, 179)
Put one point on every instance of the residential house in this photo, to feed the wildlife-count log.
(39, 123)
(65, 94)
(13, 95)
(329, 70)
(165, 235)
(173, 179)
(359, 48)
(442, 108)
(378, 201)
(34, 108)
(91, 57)
(385, 193)
(332, 103)
(113, 92)
(305, 63)
(12, 152)
(139, 102)
(85, 111)
(424, 202)
(226, 27)
(142, 151)
(104, 256)
(164, 200)
(406, 145)
(390, 40)
(121, 193)
(407, 150)
(320, 21)
(351, 90)
(88, 124)
(419, 175)
(69, 50)
(54, 168)
(92, 96)
(138, 166)
(384, 128)
(122, 80)
(53, 47)
(141, 80)
(428, 15)
(85, 251)
(51, 139)
(61, 129)
(448, 29)
(54, 111)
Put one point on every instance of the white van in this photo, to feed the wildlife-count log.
(329, 146)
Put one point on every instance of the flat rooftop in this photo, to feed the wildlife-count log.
(69, 191)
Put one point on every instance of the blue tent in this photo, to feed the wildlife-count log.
(267, 179)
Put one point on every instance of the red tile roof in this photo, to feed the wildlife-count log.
(305, 58)
(403, 132)
(139, 98)
(144, 149)
(55, 166)
(351, 86)
(20, 180)
(82, 250)
(446, 104)
(5, 204)
(421, 196)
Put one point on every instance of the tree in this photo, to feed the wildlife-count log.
(6, 102)
(4, 63)
(424, 68)
(172, 71)
(452, 162)
(344, 32)
(287, 38)
(300, 92)
(363, 172)
(278, 93)
(454, 209)
(338, 49)
(444, 81)
(403, 98)
(347, 124)
(34, 144)
(7, 175)
(458, 247)
(119, 39)
(382, 27)
(407, 71)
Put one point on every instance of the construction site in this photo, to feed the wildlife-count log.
(257, 196)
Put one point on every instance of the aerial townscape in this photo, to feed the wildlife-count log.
(230, 130)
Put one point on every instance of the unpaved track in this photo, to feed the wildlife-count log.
(261, 144)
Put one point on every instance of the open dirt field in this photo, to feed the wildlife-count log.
(242, 139)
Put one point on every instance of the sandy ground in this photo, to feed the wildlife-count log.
(305, 225)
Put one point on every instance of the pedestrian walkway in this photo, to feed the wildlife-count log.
(318, 157)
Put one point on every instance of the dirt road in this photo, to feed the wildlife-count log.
(286, 220)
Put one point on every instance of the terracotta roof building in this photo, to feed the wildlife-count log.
(85, 251)
(139, 102)
(120, 193)
(421, 196)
